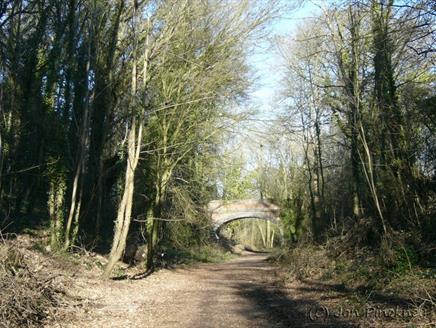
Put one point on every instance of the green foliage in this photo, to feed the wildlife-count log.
(39, 247)
(405, 260)
(211, 253)
(56, 201)
(237, 183)
(168, 255)
(188, 224)
(289, 221)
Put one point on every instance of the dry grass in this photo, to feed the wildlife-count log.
(306, 261)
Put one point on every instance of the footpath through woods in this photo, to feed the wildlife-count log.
(244, 292)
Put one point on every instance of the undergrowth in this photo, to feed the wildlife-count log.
(27, 297)
(398, 268)
(168, 256)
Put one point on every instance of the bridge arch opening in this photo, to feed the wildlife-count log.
(250, 233)
(234, 218)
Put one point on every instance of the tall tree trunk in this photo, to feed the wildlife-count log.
(133, 151)
(100, 121)
(399, 164)
(153, 223)
(77, 190)
(125, 208)
(368, 170)
(260, 226)
(353, 88)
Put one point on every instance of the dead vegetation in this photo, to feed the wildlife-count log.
(27, 296)
(398, 270)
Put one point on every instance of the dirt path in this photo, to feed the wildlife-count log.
(244, 292)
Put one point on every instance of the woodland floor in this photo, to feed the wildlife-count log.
(244, 292)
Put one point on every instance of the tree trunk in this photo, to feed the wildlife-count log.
(74, 212)
(133, 151)
(125, 208)
(55, 207)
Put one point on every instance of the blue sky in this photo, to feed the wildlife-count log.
(265, 62)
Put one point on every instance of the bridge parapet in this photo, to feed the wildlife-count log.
(223, 212)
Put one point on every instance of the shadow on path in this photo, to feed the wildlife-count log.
(283, 311)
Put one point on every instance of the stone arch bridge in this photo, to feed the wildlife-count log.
(223, 212)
